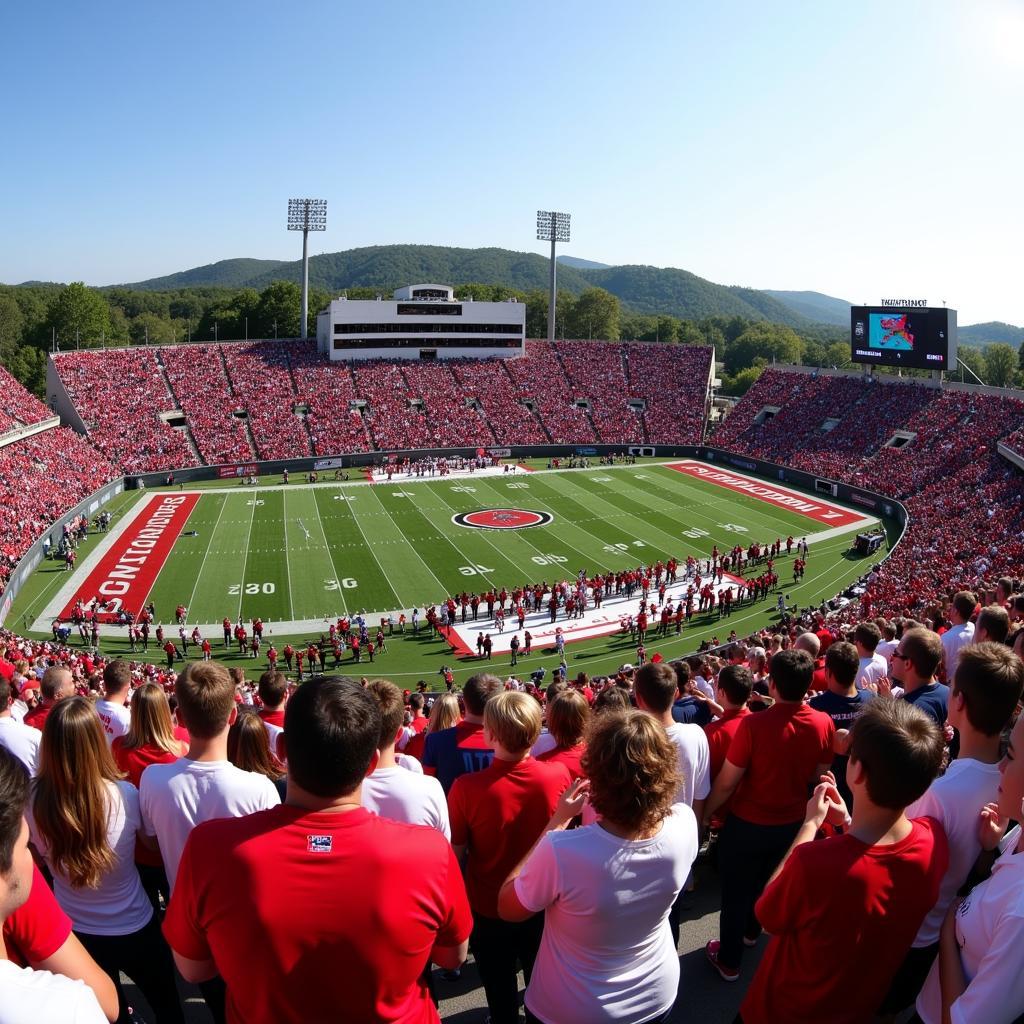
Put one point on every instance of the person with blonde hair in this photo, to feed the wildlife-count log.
(149, 740)
(607, 889)
(496, 815)
(84, 821)
(444, 714)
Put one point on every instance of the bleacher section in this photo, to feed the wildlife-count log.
(241, 402)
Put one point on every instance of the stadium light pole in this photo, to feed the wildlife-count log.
(552, 227)
(306, 215)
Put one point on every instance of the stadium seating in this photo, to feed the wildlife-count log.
(40, 478)
(199, 380)
(21, 407)
(261, 380)
(120, 395)
(245, 400)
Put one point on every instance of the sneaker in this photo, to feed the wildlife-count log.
(711, 952)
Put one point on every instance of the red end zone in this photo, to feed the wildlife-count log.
(126, 573)
(794, 501)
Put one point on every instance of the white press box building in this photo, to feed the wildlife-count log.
(422, 321)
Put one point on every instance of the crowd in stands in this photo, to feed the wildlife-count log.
(262, 384)
(575, 392)
(119, 396)
(672, 384)
(488, 381)
(327, 389)
(21, 407)
(853, 781)
(41, 478)
(197, 376)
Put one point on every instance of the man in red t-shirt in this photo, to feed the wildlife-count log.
(56, 684)
(350, 907)
(496, 816)
(773, 759)
(732, 691)
(844, 911)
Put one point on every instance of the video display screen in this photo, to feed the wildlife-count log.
(921, 338)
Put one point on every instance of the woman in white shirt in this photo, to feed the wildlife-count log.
(977, 975)
(84, 821)
(606, 889)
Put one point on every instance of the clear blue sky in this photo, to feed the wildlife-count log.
(859, 149)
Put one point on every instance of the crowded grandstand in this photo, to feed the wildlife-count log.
(561, 829)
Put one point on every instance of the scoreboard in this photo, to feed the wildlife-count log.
(914, 336)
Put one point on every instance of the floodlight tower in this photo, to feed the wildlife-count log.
(552, 227)
(306, 215)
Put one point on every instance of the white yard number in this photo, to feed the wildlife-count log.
(255, 501)
(549, 559)
(641, 476)
(348, 583)
(518, 487)
(695, 533)
(344, 497)
(734, 528)
(616, 549)
(464, 490)
(601, 479)
(251, 588)
(401, 494)
(473, 570)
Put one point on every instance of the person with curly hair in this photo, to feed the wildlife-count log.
(607, 889)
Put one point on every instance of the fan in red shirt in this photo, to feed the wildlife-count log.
(56, 684)
(773, 758)
(567, 718)
(350, 908)
(273, 689)
(496, 816)
(844, 911)
(733, 688)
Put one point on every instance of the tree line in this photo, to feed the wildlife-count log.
(38, 317)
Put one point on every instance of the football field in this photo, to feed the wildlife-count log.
(298, 555)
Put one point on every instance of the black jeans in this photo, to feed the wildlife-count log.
(500, 948)
(747, 856)
(146, 959)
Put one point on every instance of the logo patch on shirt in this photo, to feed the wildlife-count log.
(318, 844)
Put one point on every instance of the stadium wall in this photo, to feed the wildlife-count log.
(28, 430)
(30, 560)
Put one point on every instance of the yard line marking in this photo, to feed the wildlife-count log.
(287, 563)
(245, 561)
(330, 555)
(444, 589)
(369, 547)
(202, 564)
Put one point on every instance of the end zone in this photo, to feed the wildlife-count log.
(125, 575)
(782, 497)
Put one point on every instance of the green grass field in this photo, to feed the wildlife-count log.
(301, 554)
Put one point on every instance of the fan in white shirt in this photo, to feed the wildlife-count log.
(174, 798)
(29, 996)
(988, 683)
(395, 790)
(961, 633)
(114, 716)
(977, 976)
(21, 740)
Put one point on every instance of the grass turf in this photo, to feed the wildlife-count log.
(295, 552)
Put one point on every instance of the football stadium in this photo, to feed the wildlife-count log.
(445, 632)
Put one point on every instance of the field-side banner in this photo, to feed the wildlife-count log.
(125, 575)
(805, 505)
(328, 463)
(225, 472)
